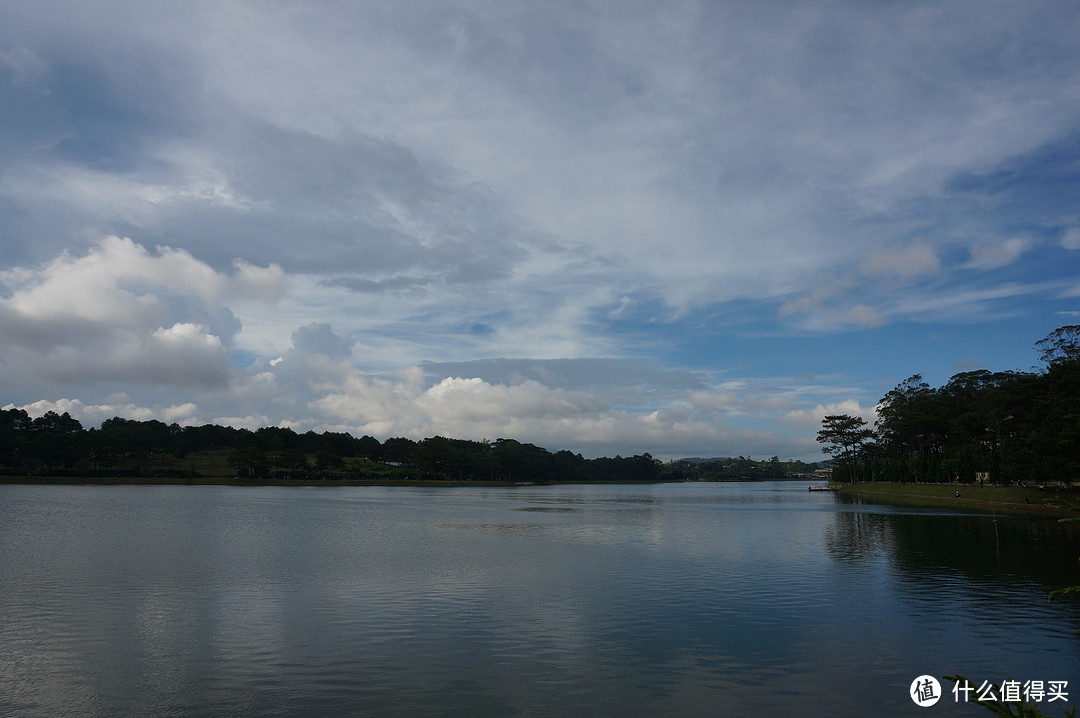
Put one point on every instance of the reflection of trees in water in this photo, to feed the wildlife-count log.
(972, 546)
(858, 536)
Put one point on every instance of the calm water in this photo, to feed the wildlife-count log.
(680, 599)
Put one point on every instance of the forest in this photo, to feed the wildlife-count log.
(57, 445)
(1004, 427)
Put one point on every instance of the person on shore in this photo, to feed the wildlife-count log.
(958, 494)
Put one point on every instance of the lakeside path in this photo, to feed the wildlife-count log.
(1002, 499)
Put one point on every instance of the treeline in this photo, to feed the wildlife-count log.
(58, 445)
(1007, 427)
(741, 468)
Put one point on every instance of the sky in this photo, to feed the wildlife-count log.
(681, 228)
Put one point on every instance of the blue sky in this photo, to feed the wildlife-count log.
(686, 228)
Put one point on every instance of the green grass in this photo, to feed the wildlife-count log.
(1008, 499)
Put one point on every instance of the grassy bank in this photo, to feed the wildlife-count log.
(1004, 499)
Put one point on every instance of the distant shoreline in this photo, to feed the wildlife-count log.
(221, 481)
(205, 481)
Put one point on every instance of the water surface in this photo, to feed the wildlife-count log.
(668, 599)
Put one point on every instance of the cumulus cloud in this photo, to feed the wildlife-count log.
(470, 407)
(466, 407)
(811, 418)
(182, 355)
(624, 378)
(91, 415)
(307, 388)
(564, 410)
(319, 338)
(120, 313)
(119, 280)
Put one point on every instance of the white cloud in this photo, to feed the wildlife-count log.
(828, 307)
(811, 418)
(966, 301)
(91, 415)
(706, 401)
(443, 182)
(306, 389)
(1071, 238)
(457, 140)
(992, 255)
(319, 338)
(119, 313)
(862, 316)
(118, 280)
(916, 259)
(183, 355)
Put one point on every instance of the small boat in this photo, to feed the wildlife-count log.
(823, 488)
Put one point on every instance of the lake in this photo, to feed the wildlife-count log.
(747, 599)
